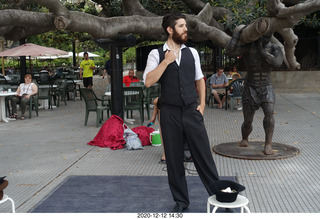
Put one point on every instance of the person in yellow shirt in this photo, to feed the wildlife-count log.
(233, 71)
(86, 71)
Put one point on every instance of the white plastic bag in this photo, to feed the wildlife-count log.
(132, 140)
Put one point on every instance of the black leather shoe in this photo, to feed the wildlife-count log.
(178, 208)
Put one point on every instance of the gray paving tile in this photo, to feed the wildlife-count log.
(37, 155)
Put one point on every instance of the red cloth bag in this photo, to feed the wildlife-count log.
(143, 134)
(110, 134)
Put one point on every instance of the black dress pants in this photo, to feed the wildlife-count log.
(177, 122)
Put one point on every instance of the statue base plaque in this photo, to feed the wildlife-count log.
(255, 151)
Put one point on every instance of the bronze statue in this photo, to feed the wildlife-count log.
(259, 57)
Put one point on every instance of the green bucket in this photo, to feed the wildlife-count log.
(155, 138)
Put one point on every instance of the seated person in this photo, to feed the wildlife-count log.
(24, 91)
(10, 71)
(234, 71)
(218, 83)
(130, 78)
(51, 74)
(235, 77)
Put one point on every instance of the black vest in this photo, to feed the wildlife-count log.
(177, 82)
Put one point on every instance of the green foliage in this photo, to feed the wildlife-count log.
(115, 8)
(129, 55)
(162, 7)
(246, 11)
(312, 20)
(243, 11)
(4, 4)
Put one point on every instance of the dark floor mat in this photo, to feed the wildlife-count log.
(125, 194)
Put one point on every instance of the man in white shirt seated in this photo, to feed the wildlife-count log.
(218, 83)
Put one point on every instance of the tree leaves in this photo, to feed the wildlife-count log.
(243, 11)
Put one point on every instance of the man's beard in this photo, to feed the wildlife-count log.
(179, 38)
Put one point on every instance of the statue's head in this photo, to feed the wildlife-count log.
(266, 39)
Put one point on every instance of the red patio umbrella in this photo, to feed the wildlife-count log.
(30, 49)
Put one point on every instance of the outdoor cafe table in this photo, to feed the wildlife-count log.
(73, 81)
(3, 96)
(126, 93)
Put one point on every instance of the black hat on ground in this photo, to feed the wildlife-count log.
(225, 196)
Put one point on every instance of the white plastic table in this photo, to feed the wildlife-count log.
(3, 96)
(240, 202)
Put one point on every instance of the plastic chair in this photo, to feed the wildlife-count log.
(7, 198)
(60, 91)
(146, 95)
(33, 104)
(91, 101)
(3, 80)
(15, 79)
(237, 88)
(150, 94)
(72, 86)
(46, 93)
(43, 77)
(210, 98)
(134, 101)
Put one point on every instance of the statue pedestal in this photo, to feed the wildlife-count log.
(255, 151)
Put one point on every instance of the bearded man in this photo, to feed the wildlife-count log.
(177, 67)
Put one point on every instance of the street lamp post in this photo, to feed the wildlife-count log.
(116, 72)
(2, 58)
(77, 43)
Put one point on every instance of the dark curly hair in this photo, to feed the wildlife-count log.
(169, 20)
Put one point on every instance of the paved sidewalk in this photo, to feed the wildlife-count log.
(37, 155)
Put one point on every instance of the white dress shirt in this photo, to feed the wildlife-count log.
(154, 60)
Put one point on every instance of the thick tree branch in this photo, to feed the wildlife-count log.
(290, 41)
(200, 26)
(5, 29)
(12, 17)
(112, 27)
(195, 5)
(300, 10)
(200, 31)
(61, 13)
(273, 7)
(282, 20)
(16, 24)
(210, 15)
